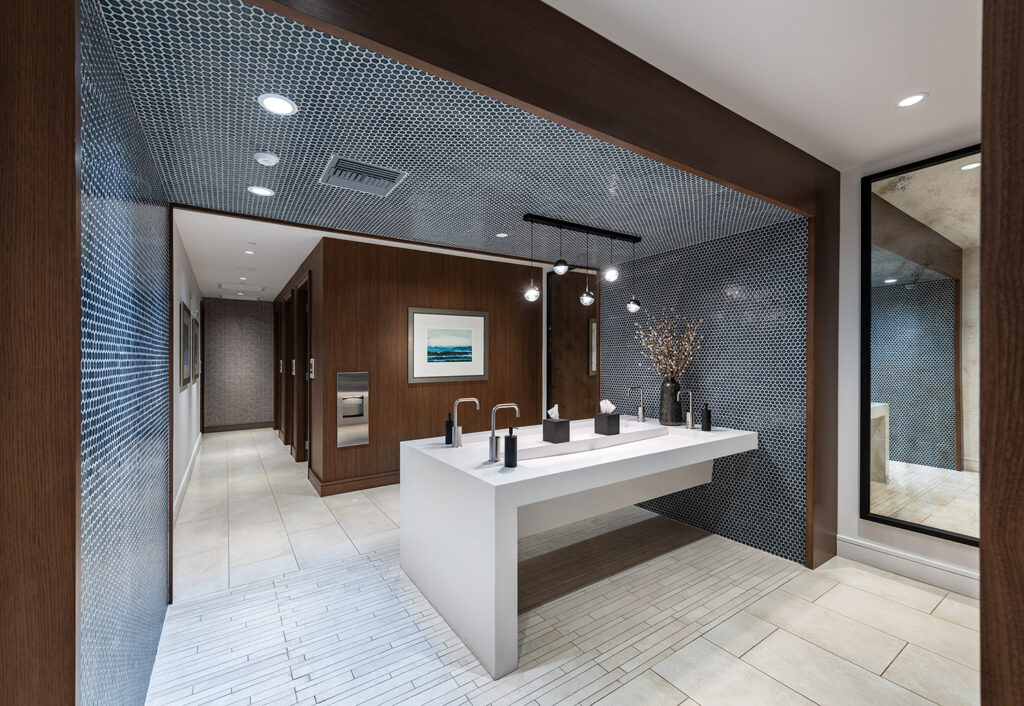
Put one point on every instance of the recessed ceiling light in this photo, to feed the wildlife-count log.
(249, 252)
(277, 104)
(501, 235)
(891, 281)
(968, 167)
(241, 294)
(243, 278)
(267, 159)
(912, 100)
(260, 190)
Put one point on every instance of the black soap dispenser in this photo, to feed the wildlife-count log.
(705, 422)
(511, 447)
(448, 430)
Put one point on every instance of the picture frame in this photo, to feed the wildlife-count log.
(185, 346)
(448, 345)
(196, 358)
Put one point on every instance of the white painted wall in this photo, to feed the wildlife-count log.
(186, 401)
(937, 561)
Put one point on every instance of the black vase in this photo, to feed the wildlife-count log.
(671, 412)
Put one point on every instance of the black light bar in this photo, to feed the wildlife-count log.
(566, 225)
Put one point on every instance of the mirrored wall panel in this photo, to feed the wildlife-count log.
(920, 314)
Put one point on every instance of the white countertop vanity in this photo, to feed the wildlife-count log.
(462, 516)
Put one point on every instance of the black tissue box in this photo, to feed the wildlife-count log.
(607, 424)
(556, 431)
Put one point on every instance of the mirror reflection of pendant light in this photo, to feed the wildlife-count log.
(612, 273)
(561, 266)
(531, 294)
(633, 305)
(587, 298)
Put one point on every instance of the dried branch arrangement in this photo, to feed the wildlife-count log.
(669, 341)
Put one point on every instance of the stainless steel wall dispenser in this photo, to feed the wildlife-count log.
(353, 409)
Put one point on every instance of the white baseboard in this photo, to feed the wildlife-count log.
(188, 476)
(930, 571)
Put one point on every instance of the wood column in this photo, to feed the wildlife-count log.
(40, 353)
(1002, 353)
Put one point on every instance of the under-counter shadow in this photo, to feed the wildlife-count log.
(549, 576)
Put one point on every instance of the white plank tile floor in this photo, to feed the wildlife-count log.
(708, 622)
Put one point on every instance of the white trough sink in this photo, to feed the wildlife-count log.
(583, 438)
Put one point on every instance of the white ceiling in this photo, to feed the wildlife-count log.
(216, 247)
(824, 75)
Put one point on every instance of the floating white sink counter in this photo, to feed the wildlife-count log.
(462, 515)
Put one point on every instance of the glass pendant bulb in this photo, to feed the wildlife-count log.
(561, 267)
(531, 294)
(633, 305)
(587, 298)
(611, 274)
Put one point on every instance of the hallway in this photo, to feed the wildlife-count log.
(249, 513)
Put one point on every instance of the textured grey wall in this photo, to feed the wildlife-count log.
(750, 290)
(238, 363)
(126, 260)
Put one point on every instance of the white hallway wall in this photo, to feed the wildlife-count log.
(937, 561)
(186, 400)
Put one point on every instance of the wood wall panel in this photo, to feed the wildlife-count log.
(40, 354)
(570, 386)
(360, 322)
(1002, 354)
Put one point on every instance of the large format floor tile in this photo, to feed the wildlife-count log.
(282, 597)
(250, 513)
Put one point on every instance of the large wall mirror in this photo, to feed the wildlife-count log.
(920, 346)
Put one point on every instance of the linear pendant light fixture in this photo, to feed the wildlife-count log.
(561, 266)
(531, 294)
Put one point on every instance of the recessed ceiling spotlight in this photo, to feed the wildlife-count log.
(501, 235)
(243, 279)
(891, 281)
(968, 167)
(260, 191)
(241, 294)
(913, 99)
(277, 104)
(267, 159)
(249, 252)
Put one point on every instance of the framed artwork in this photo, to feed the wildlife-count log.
(592, 346)
(196, 357)
(447, 345)
(185, 345)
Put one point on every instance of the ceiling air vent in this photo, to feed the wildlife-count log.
(359, 176)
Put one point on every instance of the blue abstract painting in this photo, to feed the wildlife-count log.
(449, 345)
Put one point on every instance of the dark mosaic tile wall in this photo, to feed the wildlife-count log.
(750, 290)
(125, 414)
(913, 368)
(238, 363)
